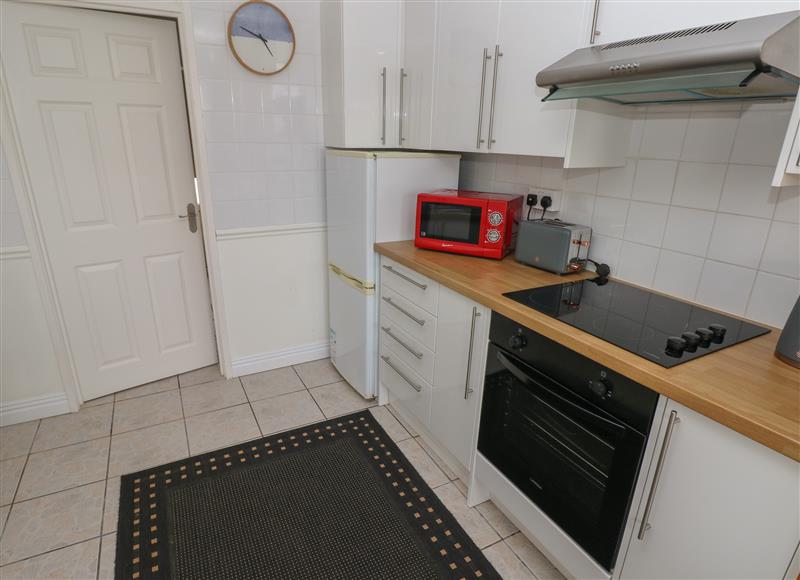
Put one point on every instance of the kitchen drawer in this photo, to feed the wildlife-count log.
(413, 320)
(411, 351)
(408, 390)
(410, 284)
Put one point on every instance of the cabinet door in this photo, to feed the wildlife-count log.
(787, 172)
(724, 506)
(416, 82)
(458, 374)
(532, 36)
(466, 31)
(370, 37)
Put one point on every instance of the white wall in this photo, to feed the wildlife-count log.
(691, 214)
(265, 159)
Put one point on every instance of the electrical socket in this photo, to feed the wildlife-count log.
(552, 194)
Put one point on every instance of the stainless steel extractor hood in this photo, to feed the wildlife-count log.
(742, 59)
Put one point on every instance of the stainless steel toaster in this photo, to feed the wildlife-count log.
(553, 245)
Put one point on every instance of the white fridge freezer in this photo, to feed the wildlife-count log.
(371, 197)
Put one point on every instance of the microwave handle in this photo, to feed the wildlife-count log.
(585, 413)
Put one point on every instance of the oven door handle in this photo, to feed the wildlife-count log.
(592, 417)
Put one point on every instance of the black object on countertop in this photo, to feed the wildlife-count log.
(664, 330)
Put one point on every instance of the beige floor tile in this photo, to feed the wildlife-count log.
(221, 428)
(10, 472)
(15, 440)
(506, 563)
(108, 557)
(65, 467)
(286, 411)
(436, 459)
(111, 507)
(212, 396)
(3, 517)
(492, 514)
(78, 562)
(402, 421)
(98, 401)
(148, 447)
(167, 384)
(52, 521)
(272, 383)
(470, 519)
(422, 462)
(533, 558)
(391, 425)
(317, 373)
(88, 423)
(461, 486)
(339, 399)
(146, 411)
(197, 376)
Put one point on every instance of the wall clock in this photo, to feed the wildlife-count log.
(261, 37)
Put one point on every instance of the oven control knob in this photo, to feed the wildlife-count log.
(719, 332)
(692, 340)
(495, 218)
(493, 236)
(705, 335)
(601, 388)
(517, 342)
(675, 346)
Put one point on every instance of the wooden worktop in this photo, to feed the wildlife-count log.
(743, 387)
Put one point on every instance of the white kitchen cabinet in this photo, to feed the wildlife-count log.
(415, 94)
(722, 506)
(461, 341)
(787, 172)
(360, 72)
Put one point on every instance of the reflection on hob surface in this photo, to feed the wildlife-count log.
(661, 329)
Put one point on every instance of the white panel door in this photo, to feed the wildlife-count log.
(98, 100)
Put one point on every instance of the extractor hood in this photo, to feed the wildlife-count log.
(753, 58)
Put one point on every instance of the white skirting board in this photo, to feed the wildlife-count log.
(281, 358)
(33, 408)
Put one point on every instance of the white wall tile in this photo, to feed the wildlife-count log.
(280, 212)
(277, 129)
(782, 252)
(210, 26)
(617, 181)
(552, 173)
(307, 36)
(247, 97)
(654, 180)
(699, 185)
(306, 129)
(646, 223)
(662, 136)
(581, 180)
(529, 171)
(577, 207)
(610, 216)
(688, 230)
(747, 191)
(678, 274)
(278, 184)
(760, 135)
(725, 286)
(222, 157)
(308, 157)
(772, 299)
(309, 210)
(637, 263)
(213, 62)
(216, 95)
(309, 184)
(275, 98)
(606, 250)
(303, 99)
(303, 70)
(738, 240)
(219, 126)
(277, 157)
(709, 137)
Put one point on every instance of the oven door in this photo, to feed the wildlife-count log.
(572, 459)
(459, 223)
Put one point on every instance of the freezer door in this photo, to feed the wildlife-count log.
(353, 326)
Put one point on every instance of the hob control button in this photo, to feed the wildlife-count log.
(495, 218)
(675, 346)
(719, 332)
(517, 342)
(493, 236)
(692, 340)
(705, 336)
(601, 388)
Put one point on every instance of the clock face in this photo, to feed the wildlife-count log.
(261, 37)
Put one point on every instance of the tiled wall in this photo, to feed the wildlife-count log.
(263, 133)
(11, 232)
(692, 213)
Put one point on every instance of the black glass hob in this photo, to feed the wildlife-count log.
(661, 329)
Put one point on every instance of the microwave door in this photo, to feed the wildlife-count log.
(450, 222)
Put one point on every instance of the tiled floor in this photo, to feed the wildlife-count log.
(59, 477)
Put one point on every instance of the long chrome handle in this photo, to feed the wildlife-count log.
(497, 55)
(673, 419)
(399, 341)
(593, 32)
(483, 90)
(403, 75)
(419, 321)
(400, 373)
(419, 285)
(383, 107)
(467, 388)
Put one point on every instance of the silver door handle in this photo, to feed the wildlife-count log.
(419, 321)
(191, 213)
(411, 383)
(467, 388)
(388, 331)
(419, 285)
(383, 107)
(497, 55)
(594, 32)
(403, 75)
(673, 419)
(483, 88)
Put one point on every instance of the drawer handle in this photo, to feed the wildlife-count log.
(388, 331)
(401, 375)
(406, 278)
(419, 321)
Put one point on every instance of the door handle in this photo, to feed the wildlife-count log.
(497, 55)
(483, 88)
(467, 388)
(383, 106)
(402, 111)
(645, 525)
(191, 213)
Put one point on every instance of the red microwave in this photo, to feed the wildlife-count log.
(468, 222)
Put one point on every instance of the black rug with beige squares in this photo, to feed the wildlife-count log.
(333, 500)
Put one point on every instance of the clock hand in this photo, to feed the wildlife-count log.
(249, 31)
(264, 40)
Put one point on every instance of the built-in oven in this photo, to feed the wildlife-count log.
(568, 432)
